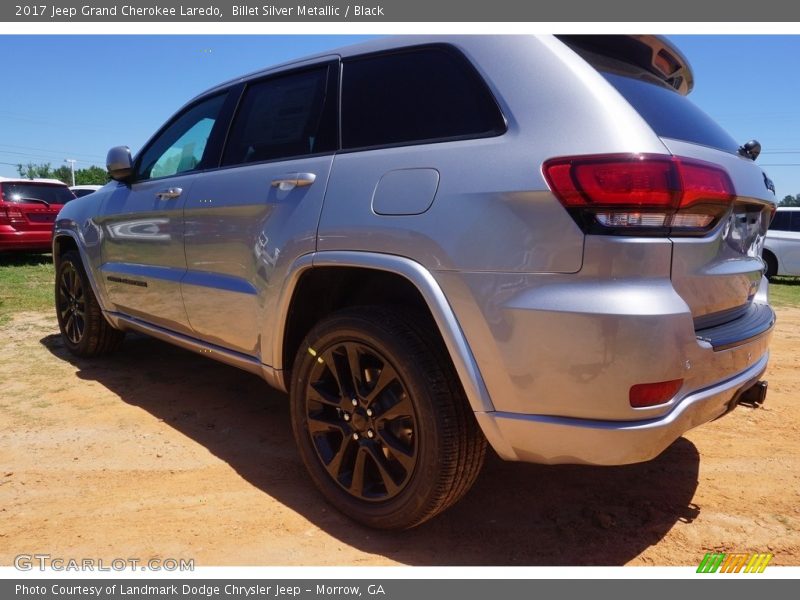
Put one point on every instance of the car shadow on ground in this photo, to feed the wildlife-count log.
(517, 514)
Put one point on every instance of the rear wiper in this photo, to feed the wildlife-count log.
(45, 202)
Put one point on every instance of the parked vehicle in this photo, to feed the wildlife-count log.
(84, 190)
(782, 246)
(28, 209)
(433, 244)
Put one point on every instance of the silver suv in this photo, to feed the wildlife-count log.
(433, 244)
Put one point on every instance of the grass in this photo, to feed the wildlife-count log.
(785, 291)
(26, 284)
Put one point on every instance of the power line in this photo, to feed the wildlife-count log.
(48, 150)
(45, 158)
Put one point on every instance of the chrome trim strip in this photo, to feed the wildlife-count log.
(229, 357)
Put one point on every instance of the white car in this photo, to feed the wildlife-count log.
(84, 190)
(782, 246)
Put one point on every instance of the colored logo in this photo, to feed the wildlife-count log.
(714, 562)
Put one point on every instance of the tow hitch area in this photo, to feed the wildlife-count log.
(754, 395)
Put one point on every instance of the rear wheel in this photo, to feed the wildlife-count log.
(771, 263)
(84, 329)
(380, 419)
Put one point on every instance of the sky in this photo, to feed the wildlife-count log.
(74, 97)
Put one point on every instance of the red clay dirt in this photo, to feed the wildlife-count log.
(156, 452)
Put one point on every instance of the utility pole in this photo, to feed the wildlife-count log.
(71, 162)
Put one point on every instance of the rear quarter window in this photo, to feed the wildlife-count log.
(412, 96)
(670, 114)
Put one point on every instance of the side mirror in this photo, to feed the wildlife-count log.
(118, 163)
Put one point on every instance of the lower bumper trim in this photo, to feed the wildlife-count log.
(556, 440)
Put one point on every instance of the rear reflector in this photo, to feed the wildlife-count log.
(640, 193)
(650, 394)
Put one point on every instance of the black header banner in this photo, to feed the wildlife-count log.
(392, 11)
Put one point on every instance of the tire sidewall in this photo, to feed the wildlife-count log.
(70, 258)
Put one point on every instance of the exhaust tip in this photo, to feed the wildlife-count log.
(755, 395)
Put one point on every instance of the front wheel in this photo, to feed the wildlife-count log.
(380, 419)
(84, 329)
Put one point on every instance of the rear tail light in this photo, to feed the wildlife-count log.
(640, 193)
(10, 215)
(650, 394)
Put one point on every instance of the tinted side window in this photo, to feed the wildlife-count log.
(425, 94)
(781, 221)
(283, 117)
(181, 146)
(795, 224)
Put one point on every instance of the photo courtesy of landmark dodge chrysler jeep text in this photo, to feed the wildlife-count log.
(438, 243)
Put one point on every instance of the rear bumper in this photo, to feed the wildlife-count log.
(553, 440)
(11, 239)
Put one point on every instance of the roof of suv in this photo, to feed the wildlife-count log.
(26, 180)
(655, 42)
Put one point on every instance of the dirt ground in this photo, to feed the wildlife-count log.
(156, 452)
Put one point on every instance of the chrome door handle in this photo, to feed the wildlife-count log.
(293, 180)
(169, 193)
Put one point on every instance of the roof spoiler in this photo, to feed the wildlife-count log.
(651, 53)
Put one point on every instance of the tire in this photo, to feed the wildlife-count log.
(84, 329)
(771, 263)
(396, 444)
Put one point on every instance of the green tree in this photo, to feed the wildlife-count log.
(32, 171)
(63, 173)
(93, 175)
(790, 200)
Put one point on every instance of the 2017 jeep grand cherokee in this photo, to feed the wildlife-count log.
(435, 243)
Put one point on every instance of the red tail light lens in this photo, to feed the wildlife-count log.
(642, 193)
(10, 215)
(650, 394)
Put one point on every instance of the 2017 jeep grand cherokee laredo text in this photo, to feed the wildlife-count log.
(433, 244)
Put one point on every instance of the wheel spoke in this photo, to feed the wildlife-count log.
(359, 468)
(404, 456)
(383, 469)
(332, 360)
(69, 327)
(334, 466)
(354, 365)
(401, 408)
(387, 376)
(315, 394)
(79, 323)
(321, 424)
(76, 283)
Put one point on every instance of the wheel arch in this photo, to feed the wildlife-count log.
(65, 240)
(414, 284)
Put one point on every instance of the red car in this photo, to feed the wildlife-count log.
(28, 208)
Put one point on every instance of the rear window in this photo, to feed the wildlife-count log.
(672, 115)
(786, 220)
(27, 192)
